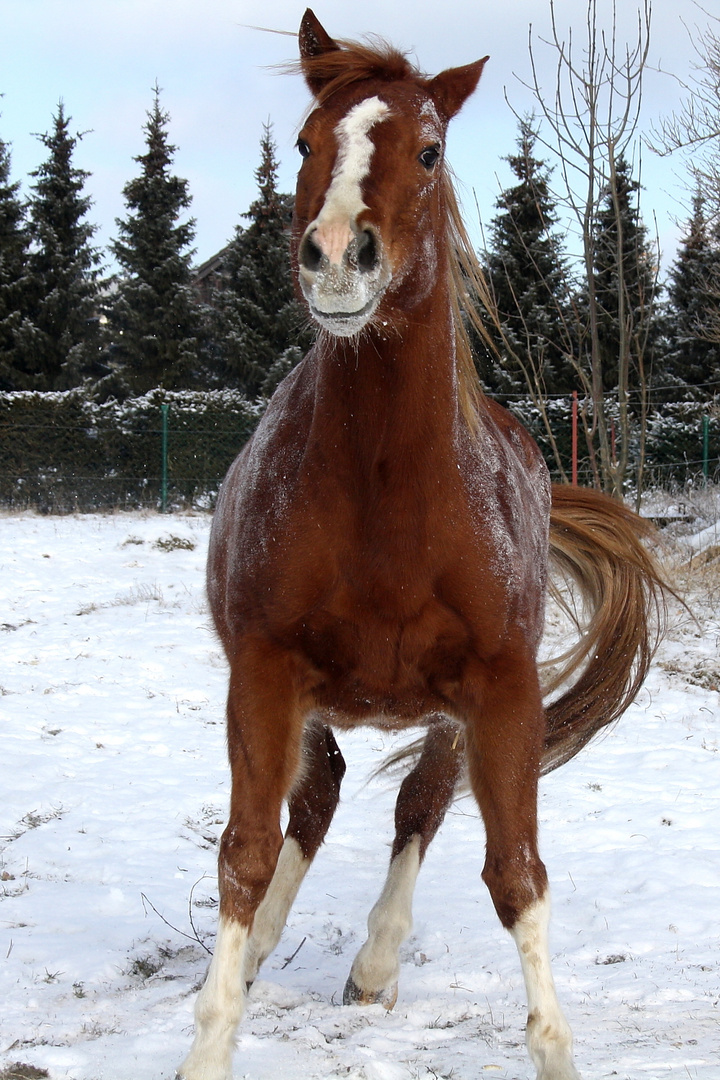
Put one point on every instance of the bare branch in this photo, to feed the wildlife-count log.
(694, 130)
(589, 124)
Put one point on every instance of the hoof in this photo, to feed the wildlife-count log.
(353, 995)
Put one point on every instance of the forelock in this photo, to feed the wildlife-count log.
(356, 62)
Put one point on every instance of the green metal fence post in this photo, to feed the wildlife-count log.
(163, 489)
(706, 446)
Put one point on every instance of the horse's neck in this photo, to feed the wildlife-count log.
(389, 396)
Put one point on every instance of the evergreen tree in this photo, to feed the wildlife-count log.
(692, 360)
(59, 330)
(528, 278)
(14, 242)
(154, 319)
(619, 217)
(259, 329)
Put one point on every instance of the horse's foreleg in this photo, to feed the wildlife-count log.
(504, 747)
(311, 806)
(264, 739)
(549, 1038)
(423, 799)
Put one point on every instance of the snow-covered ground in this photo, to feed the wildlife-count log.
(114, 790)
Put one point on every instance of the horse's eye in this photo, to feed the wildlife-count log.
(429, 156)
(303, 148)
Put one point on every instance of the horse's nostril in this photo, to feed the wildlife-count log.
(367, 253)
(311, 257)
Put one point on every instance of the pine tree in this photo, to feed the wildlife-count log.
(619, 215)
(14, 241)
(528, 278)
(692, 361)
(59, 330)
(258, 326)
(154, 319)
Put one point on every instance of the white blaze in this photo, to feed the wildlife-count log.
(344, 200)
(341, 296)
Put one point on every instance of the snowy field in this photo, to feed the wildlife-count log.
(114, 791)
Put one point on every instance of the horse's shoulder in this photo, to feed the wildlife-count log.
(501, 456)
(281, 427)
(511, 431)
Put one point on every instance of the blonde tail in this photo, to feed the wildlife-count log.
(597, 543)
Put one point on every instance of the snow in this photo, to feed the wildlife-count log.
(115, 787)
(705, 538)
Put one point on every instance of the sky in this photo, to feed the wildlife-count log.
(220, 84)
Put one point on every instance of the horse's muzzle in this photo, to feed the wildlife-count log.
(343, 275)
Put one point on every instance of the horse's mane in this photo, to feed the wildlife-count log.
(354, 62)
(470, 297)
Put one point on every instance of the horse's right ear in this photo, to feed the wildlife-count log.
(313, 38)
(314, 42)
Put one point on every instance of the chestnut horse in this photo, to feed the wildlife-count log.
(379, 555)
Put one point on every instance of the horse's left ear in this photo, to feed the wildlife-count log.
(451, 89)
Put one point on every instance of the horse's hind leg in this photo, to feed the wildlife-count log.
(503, 749)
(311, 806)
(424, 797)
(549, 1038)
(265, 726)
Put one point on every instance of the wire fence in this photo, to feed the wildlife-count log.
(60, 453)
(131, 472)
(69, 455)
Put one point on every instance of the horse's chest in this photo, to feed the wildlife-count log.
(391, 657)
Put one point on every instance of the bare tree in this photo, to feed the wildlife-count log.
(694, 131)
(590, 124)
(695, 128)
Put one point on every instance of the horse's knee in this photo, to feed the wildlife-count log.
(246, 864)
(514, 885)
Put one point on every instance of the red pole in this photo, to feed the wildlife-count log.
(574, 437)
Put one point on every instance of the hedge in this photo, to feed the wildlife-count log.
(61, 452)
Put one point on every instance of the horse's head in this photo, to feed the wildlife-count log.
(370, 191)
